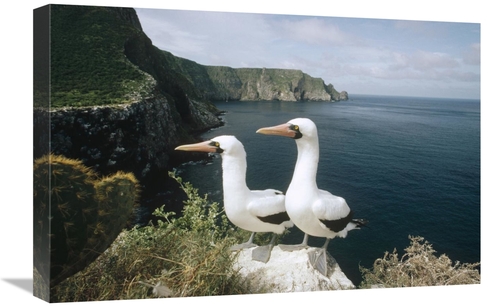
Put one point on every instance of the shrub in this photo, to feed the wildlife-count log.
(418, 267)
(76, 214)
(178, 256)
(188, 255)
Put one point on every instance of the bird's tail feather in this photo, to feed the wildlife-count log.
(359, 222)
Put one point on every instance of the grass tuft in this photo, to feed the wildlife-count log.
(419, 266)
(178, 257)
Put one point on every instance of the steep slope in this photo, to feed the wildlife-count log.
(116, 103)
(222, 83)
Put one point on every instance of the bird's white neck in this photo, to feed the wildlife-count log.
(306, 167)
(234, 174)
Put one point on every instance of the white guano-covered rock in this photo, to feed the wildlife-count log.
(289, 272)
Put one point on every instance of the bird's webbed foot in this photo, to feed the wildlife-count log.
(262, 253)
(317, 258)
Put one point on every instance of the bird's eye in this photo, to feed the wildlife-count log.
(296, 131)
(217, 147)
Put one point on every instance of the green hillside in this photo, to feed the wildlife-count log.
(88, 64)
(101, 56)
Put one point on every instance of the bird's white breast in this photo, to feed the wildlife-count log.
(299, 207)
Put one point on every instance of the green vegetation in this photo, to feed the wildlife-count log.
(77, 215)
(278, 80)
(178, 256)
(100, 56)
(279, 76)
(88, 64)
(188, 255)
(418, 267)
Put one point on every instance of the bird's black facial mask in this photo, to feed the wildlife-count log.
(296, 129)
(217, 147)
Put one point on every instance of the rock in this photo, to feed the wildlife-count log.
(134, 109)
(260, 84)
(343, 96)
(138, 137)
(336, 96)
(289, 272)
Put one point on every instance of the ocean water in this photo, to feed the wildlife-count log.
(410, 166)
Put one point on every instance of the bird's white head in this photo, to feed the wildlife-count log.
(298, 129)
(224, 145)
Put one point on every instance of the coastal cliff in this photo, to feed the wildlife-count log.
(220, 83)
(139, 137)
(117, 102)
(283, 84)
(114, 101)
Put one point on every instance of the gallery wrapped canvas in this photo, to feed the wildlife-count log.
(145, 121)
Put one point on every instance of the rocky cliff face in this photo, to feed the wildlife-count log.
(138, 135)
(221, 83)
(269, 84)
(170, 99)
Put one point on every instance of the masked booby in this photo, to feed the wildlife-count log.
(252, 210)
(316, 212)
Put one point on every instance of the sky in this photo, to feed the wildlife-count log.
(359, 55)
(16, 268)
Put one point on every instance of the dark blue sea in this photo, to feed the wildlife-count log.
(411, 166)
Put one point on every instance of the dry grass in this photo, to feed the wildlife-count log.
(178, 257)
(189, 256)
(418, 267)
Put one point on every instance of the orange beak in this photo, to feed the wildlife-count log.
(281, 130)
(202, 146)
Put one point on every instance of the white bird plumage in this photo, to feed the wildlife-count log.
(316, 212)
(252, 210)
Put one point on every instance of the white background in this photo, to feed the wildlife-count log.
(16, 143)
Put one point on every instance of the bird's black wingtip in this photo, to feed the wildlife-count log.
(360, 222)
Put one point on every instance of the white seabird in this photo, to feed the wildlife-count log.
(256, 210)
(316, 212)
